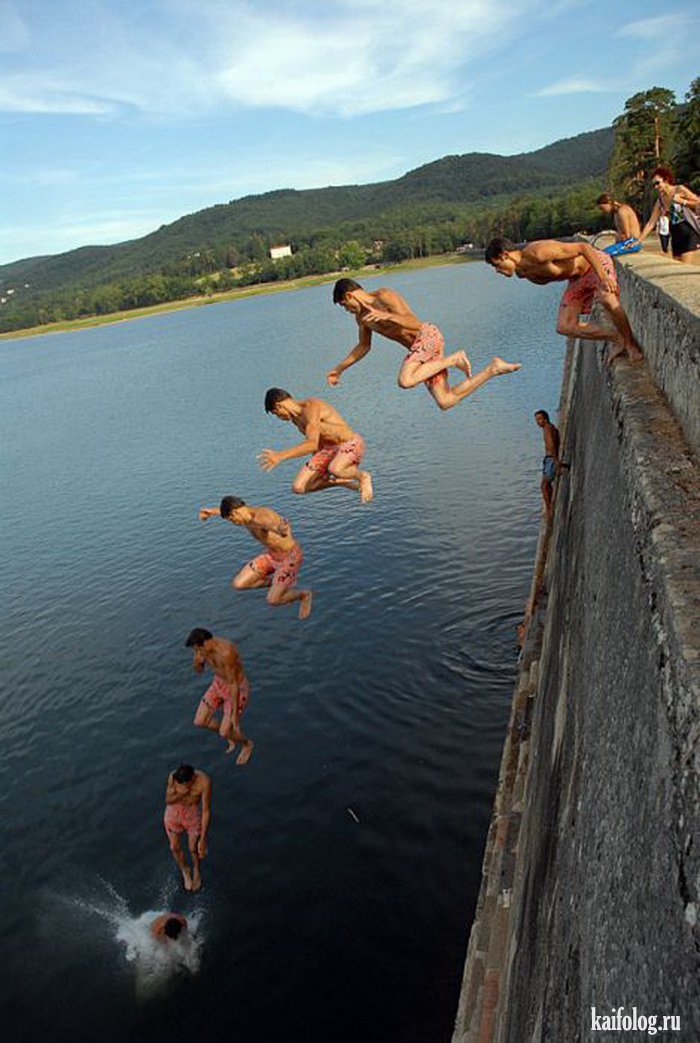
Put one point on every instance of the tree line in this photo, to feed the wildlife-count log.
(652, 130)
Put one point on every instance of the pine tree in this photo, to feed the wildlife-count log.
(644, 136)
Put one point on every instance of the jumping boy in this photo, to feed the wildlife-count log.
(336, 449)
(228, 692)
(386, 312)
(278, 568)
(188, 809)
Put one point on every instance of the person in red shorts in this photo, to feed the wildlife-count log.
(278, 568)
(188, 810)
(386, 312)
(336, 449)
(228, 692)
(590, 274)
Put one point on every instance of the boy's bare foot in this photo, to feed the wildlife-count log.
(244, 756)
(366, 491)
(500, 366)
(196, 880)
(461, 361)
(186, 879)
(305, 606)
(230, 747)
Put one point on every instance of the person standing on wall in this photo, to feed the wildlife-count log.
(678, 203)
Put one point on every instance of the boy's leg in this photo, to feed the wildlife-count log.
(250, 579)
(309, 480)
(283, 591)
(193, 840)
(204, 717)
(447, 397)
(345, 469)
(179, 856)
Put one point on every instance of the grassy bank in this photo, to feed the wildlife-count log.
(231, 295)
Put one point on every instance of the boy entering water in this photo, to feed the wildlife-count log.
(188, 810)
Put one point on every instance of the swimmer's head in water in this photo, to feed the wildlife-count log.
(197, 637)
(497, 255)
(229, 504)
(183, 774)
(173, 927)
(274, 402)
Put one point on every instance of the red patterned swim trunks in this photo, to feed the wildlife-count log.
(183, 818)
(282, 566)
(320, 461)
(428, 345)
(219, 694)
(583, 289)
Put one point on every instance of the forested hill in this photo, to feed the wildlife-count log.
(287, 214)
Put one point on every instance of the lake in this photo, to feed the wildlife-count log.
(345, 858)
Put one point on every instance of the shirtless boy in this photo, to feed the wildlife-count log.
(590, 274)
(228, 692)
(278, 568)
(168, 927)
(188, 809)
(624, 217)
(551, 462)
(336, 449)
(386, 312)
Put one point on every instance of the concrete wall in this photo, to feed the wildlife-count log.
(591, 888)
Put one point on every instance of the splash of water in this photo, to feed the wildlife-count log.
(156, 964)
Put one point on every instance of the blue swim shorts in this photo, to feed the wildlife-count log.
(549, 468)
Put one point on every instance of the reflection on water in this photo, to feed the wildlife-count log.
(390, 700)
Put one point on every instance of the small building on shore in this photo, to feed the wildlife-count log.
(279, 251)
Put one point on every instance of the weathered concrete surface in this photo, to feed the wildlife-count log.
(591, 888)
(662, 299)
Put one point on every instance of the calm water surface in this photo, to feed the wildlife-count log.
(391, 700)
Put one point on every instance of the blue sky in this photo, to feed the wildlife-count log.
(122, 115)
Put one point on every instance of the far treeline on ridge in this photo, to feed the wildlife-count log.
(432, 210)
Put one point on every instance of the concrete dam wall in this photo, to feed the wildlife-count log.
(590, 894)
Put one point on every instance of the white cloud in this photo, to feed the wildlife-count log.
(344, 57)
(574, 85)
(657, 29)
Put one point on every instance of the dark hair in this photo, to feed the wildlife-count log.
(229, 504)
(342, 287)
(496, 248)
(185, 773)
(542, 412)
(172, 927)
(197, 637)
(666, 173)
(604, 197)
(273, 396)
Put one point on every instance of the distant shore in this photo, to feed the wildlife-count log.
(89, 321)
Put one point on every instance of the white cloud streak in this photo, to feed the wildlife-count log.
(340, 58)
(574, 85)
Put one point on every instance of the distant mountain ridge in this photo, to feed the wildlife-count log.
(289, 214)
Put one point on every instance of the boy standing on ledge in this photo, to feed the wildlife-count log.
(385, 311)
(590, 274)
(337, 449)
(551, 462)
(278, 568)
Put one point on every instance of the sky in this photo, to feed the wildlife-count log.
(119, 116)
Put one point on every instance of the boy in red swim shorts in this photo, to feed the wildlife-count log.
(336, 449)
(278, 568)
(386, 312)
(228, 692)
(591, 276)
(188, 810)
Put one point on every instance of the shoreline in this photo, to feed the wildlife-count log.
(283, 286)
